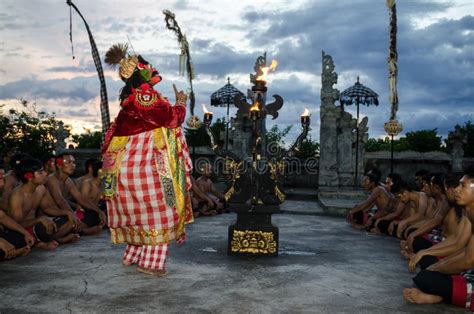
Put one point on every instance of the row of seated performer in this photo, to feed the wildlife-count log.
(42, 206)
(435, 225)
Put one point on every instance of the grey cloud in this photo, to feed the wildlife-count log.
(81, 88)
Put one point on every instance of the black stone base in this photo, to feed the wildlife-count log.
(253, 234)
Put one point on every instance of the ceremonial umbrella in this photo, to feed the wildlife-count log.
(224, 97)
(357, 95)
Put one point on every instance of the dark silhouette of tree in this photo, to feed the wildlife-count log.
(28, 130)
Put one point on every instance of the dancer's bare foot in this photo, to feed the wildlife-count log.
(47, 245)
(416, 296)
(126, 263)
(70, 238)
(153, 272)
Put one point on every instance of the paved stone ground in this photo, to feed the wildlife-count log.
(324, 267)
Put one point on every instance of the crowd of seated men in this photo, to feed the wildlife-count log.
(435, 225)
(42, 206)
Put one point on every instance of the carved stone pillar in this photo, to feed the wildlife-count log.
(457, 140)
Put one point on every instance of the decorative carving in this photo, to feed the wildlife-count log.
(259, 64)
(457, 140)
(257, 242)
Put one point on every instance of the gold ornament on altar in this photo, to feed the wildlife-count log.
(249, 241)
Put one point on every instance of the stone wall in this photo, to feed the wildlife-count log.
(407, 163)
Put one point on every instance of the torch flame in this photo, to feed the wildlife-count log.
(266, 70)
(256, 106)
(205, 109)
(306, 112)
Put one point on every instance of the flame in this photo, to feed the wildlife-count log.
(266, 70)
(305, 113)
(205, 109)
(256, 106)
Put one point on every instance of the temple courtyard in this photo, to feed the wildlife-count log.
(324, 266)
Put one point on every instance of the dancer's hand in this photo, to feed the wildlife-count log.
(181, 96)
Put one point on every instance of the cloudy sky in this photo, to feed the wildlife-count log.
(435, 47)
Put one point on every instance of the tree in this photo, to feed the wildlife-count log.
(199, 137)
(424, 140)
(309, 148)
(419, 141)
(88, 139)
(28, 130)
(277, 136)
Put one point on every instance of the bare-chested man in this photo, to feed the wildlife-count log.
(11, 181)
(61, 187)
(206, 185)
(30, 196)
(90, 184)
(389, 223)
(442, 207)
(456, 230)
(451, 279)
(418, 209)
(429, 211)
(49, 164)
(358, 216)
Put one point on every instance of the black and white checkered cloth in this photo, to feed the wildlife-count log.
(104, 103)
(225, 95)
(359, 94)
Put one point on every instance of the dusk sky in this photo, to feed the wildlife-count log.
(435, 49)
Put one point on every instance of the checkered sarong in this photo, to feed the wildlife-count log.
(147, 256)
(139, 213)
(462, 290)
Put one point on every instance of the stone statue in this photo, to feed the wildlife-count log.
(60, 134)
(457, 140)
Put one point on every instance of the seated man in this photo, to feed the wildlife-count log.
(206, 185)
(430, 208)
(90, 184)
(419, 175)
(359, 216)
(451, 279)
(419, 201)
(427, 228)
(11, 181)
(30, 196)
(388, 224)
(49, 164)
(14, 239)
(61, 187)
(456, 229)
(196, 195)
(88, 171)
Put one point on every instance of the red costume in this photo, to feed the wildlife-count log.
(147, 166)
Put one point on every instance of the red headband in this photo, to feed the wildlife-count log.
(59, 161)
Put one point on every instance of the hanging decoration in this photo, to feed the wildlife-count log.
(104, 104)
